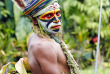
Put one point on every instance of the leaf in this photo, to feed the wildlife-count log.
(22, 29)
(26, 64)
(2, 71)
(3, 53)
(1, 3)
(5, 13)
(87, 55)
(17, 14)
(20, 67)
(9, 6)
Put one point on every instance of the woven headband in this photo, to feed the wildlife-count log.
(34, 6)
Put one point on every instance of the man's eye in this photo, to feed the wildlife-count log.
(49, 15)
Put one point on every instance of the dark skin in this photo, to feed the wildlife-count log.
(46, 56)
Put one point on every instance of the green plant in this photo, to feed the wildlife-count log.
(81, 18)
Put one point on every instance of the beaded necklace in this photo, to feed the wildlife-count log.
(70, 60)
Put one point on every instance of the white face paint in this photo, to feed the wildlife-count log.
(48, 8)
(50, 18)
(49, 28)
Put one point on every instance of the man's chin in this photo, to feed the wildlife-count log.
(55, 31)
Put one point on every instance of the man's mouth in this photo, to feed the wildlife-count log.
(55, 27)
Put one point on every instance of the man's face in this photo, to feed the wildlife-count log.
(50, 18)
(51, 21)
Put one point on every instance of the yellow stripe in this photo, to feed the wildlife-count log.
(33, 7)
(53, 11)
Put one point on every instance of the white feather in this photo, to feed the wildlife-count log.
(21, 8)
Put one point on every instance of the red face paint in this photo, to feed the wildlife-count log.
(50, 14)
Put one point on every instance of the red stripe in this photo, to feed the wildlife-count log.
(33, 7)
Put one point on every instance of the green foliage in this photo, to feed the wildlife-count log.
(3, 11)
(9, 6)
(101, 70)
(81, 27)
(3, 69)
(14, 29)
(22, 29)
(80, 21)
(20, 67)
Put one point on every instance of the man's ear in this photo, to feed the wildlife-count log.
(34, 20)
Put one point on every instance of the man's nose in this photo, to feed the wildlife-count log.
(56, 19)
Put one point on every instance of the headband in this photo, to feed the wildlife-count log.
(34, 6)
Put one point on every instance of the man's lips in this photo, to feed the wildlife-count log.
(55, 27)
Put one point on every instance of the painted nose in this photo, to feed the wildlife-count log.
(56, 19)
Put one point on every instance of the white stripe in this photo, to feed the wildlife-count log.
(48, 8)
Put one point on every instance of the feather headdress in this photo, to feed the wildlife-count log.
(20, 3)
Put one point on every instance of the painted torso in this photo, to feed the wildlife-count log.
(61, 58)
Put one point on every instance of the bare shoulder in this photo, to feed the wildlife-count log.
(42, 46)
(39, 45)
(44, 52)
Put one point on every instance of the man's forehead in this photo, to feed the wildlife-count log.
(48, 8)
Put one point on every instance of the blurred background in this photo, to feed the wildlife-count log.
(80, 19)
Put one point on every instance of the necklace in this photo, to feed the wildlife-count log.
(74, 69)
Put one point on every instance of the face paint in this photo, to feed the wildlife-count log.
(50, 14)
(46, 9)
(51, 21)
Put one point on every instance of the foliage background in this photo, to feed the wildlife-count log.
(80, 22)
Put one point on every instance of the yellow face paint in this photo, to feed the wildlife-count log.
(50, 14)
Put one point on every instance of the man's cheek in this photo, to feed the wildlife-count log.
(59, 18)
(42, 23)
(48, 23)
(45, 22)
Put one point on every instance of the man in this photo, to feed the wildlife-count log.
(45, 47)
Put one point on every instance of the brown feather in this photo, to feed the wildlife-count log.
(20, 3)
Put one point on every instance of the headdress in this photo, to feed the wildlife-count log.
(20, 3)
(30, 7)
(34, 6)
